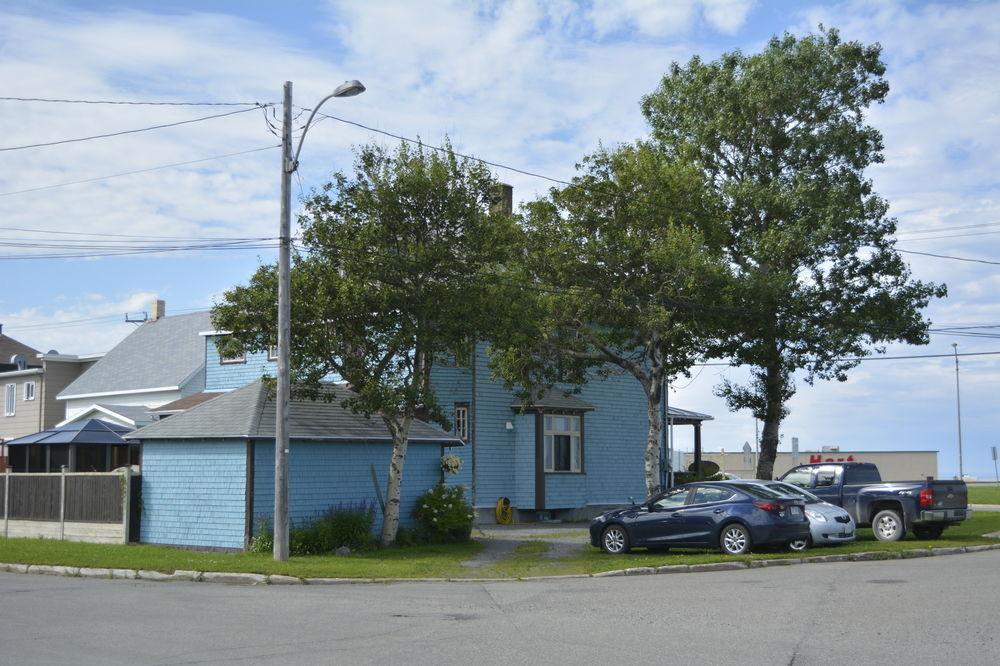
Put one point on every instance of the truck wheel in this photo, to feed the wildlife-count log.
(928, 532)
(888, 525)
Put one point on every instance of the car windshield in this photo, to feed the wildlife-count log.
(760, 491)
(794, 491)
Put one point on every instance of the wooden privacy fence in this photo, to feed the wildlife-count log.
(95, 507)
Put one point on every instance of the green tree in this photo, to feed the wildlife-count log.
(615, 261)
(782, 141)
(395, 270)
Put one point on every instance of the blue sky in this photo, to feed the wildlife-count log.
(528, 83)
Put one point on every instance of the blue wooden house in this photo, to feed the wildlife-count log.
(208, 472)
(561, 455)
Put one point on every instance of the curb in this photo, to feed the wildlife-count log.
(234, 578)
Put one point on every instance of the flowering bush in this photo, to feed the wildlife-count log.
(444, 515)
(451, 464)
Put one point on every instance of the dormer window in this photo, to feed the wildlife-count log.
(236, 358)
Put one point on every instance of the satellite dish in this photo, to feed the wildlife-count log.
(20, 360)
(53, 352)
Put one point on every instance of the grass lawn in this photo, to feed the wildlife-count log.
(984, 494)
(528, 559)
(445, 561)
(404, 562)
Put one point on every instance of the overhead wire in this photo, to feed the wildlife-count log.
(124, 132)
(129, 102)
(138, 171)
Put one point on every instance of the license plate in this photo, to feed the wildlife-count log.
(795, 511)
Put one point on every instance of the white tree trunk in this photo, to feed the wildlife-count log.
(390, 521)
(652, 455)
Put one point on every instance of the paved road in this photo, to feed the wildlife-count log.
(941, 609)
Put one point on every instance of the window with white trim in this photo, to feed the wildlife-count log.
(235, 358)
(9, 396)
(29, 390)
(462, 421)
(272, 353)
(563, 443)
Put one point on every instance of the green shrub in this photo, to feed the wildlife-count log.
(444, 515)
(349, 526)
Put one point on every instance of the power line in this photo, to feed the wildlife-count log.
(136, 171)
(118, 252)
(948, 256)
(106, 235)
(926, 238)
(407, 139)
(71, 323)
(131, 131)
(129, 102)
(872, 358)
(961, 228)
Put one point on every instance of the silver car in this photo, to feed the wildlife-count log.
(828, 523)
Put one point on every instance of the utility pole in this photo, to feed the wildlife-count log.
(958, 413)
(289, 163)
(283, 398)
(995, 471)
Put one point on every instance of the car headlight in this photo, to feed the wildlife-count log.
(815, 515)
(600, 519)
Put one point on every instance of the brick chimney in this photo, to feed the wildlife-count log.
(505, 199)
(159, 310)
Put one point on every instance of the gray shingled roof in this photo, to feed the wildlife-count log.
(136, 413)
(249, 413)
(676, 414)
(163, 353)
(9, 346)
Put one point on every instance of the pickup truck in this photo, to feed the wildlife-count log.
(924, 507)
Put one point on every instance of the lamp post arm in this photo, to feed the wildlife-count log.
(295, 158)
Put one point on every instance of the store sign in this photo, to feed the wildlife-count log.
(817, 458)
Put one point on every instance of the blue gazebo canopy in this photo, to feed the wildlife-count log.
(89, 431)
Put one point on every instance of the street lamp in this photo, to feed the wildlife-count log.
(288, 166)
(958, 413)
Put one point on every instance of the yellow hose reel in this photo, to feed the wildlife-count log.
(504, 512)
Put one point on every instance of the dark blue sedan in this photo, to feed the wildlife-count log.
(732, 516)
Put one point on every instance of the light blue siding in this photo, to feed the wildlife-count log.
(227, 376)
(453, 385)
(614, 442)
(325, 475)
(194, 493)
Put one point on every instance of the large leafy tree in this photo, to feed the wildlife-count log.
(616, 262)
(396, 268)
(782, 142)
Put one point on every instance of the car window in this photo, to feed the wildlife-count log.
(825, 476)
(794, 491)
(672, 499)
(862, 474)
(760, 491)
(798, 477)
(706, 494)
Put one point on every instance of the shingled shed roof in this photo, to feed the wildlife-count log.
(249, 413)
(162, 354)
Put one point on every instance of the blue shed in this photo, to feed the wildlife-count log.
(208, 473)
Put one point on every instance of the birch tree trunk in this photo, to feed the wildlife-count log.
(652, 455)
(390, 521)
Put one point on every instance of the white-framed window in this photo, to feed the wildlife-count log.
(272, 353)
(9, 398)
(29, 390)
(462, 421)
(236, 358)
(563, 443)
